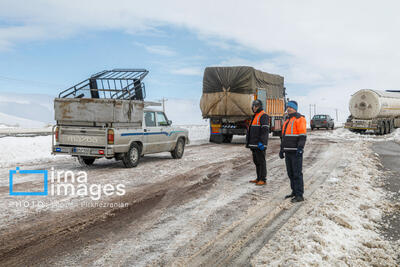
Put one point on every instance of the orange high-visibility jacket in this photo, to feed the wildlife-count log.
(258, 130)
(294, 132)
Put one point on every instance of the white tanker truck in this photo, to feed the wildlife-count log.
(374, 110)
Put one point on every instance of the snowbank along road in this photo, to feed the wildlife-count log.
(197, 211)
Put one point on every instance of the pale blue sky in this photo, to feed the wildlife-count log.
(175, 57)
(326, 50)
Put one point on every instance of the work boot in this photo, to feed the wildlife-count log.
(261, 183)
(290, 196)
(297, 199)
(253, 181)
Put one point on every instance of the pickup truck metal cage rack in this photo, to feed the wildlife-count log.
(110, 84)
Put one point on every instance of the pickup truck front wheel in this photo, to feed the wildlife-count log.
(131, 158)
(86, 161)
(177, 153)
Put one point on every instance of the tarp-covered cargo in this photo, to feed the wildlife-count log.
(229, 91)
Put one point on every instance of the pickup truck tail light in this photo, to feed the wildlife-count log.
(110, 136)
(56, 133)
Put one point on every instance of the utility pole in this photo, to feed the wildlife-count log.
(337, 118)
(315, 108)
(163, 100)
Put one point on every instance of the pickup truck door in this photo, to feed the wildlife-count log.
(167, 137)
(151, 133)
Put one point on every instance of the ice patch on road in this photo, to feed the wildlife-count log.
(337, 225)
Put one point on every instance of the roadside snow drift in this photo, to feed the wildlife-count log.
(337, 226)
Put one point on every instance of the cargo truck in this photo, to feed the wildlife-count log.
(227, 96)
(106, 116)
(374, 110)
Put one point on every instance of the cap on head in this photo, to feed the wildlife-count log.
(292, 104)
(257, 103)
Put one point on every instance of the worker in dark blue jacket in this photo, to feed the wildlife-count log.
(257, 141)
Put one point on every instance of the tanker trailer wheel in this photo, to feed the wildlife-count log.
(131, 158)
(177, 153)
(86, 161)
(388, 127)
(381, 129)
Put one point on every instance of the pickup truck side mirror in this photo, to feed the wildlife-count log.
(169, 122)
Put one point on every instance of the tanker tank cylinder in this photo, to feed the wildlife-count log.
(369, 104)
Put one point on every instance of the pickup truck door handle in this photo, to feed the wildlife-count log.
(145, 130)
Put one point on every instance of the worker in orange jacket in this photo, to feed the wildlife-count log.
(293, 140)
(257, 141)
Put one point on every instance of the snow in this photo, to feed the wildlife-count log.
(20, 150)
(337, 225)
(345, 134)
(198, 134)
(10, 120)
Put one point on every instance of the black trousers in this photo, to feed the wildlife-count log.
(294, 167)
(261, 165)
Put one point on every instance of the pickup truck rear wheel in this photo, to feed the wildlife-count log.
(177, 153)
(131, 158)
(86, 161)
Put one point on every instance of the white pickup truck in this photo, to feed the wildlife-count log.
(114, 127)
(122, 143)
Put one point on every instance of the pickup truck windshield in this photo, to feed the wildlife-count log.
(161, 120)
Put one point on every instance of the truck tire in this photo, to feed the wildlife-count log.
(131, 158)
(177, 153)
(388, 128)
(86, 161)
(216, 138)
(227, 138)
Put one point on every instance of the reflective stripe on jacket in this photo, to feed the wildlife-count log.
(294, 132)
(258, 130)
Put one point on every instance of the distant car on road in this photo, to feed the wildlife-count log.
(322, 121)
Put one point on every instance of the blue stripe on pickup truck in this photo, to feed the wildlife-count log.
(150, 133)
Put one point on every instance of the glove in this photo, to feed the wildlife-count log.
(261, 146)
(299, 152)
(281, 155)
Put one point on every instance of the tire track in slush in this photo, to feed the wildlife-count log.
(236, 245)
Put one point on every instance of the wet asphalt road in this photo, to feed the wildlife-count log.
(389, 153)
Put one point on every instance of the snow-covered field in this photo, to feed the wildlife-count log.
(338, 225)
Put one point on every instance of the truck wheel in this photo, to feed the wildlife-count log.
(86, 161)
(388, 128)
(227, 138)
(131, 158)
(381, 130)
(177, 153)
